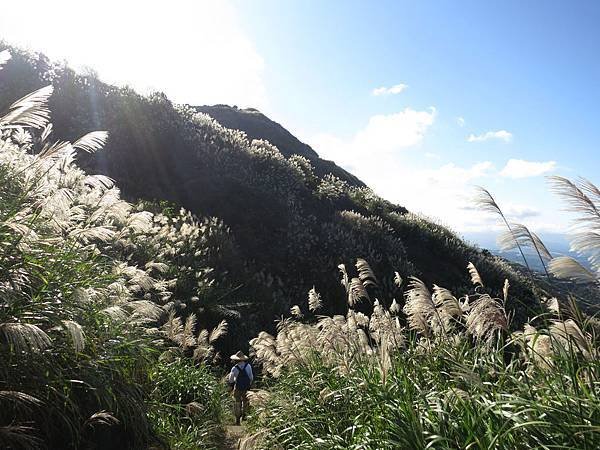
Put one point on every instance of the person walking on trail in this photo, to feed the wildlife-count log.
(240, 379)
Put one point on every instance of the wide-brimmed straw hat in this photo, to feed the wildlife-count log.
(239, 356)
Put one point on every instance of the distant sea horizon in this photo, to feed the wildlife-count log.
(558, 244)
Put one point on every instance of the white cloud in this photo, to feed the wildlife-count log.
(460, 121)
(502, 135)
(383, 134)
(518, 168)
(395, 131)
(396, 89)
(196, 53)
(379, 155)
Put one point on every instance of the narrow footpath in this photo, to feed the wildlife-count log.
(233, 435)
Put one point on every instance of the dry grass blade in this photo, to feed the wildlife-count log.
(194, 409)
(92, 142)
(76, 333)
(20, 398)
(19, 437)
(475, 277)
(102, 418)
(30, 111)
(219, 331)
(314, 300)
(23, 337)
(365, 273)
(569, 268)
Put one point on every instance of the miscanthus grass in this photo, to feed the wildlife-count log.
(454, 377)
(91, 294)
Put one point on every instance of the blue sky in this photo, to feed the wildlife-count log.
(478, 84)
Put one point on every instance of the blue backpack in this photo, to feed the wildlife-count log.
(242, 381)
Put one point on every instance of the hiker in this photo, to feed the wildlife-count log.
(240, 378)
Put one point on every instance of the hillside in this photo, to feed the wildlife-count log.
(258, 126)
(291, 224)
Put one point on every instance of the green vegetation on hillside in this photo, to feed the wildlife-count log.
(290, 225)
(456, 377)
(92, 322)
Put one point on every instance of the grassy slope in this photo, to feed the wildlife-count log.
(291, 227)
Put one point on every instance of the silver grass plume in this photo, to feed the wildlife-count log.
(188, 338)
(296, 312)
(398, 279)
(345, 279)
(356, 292)
(91, 142)
(447, 306)
(145, 311)
(24, 337)
(365, 273)
(29, 111)
(583, 198)
(520, 236)
(419, 306)
(570, 336)
(314, 300)
(570, 268)
(576, 197)
(219, 331)
(475, 277)
(505, 291)
(76, 333)
(486, 202)
(486, 318)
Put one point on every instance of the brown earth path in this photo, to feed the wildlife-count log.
(233, 435)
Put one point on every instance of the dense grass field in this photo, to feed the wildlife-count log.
(455, 378)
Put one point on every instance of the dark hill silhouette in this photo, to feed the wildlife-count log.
(258, 126)
(291, 222)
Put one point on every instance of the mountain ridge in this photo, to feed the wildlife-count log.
(256, 125)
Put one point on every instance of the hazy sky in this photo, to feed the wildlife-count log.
(422, 99)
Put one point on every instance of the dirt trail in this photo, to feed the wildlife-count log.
(233, 434)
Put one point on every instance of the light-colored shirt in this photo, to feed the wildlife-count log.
(235, 370)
